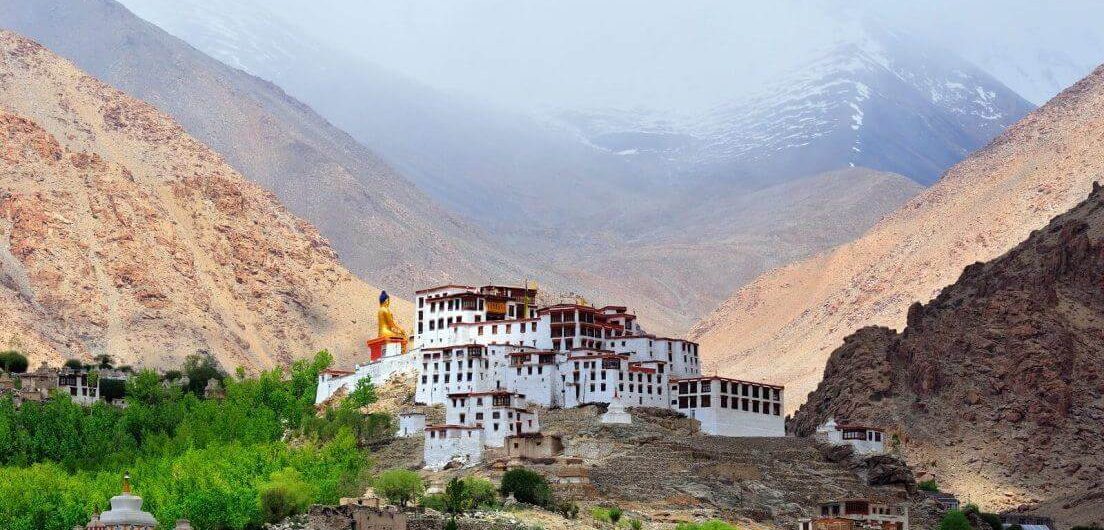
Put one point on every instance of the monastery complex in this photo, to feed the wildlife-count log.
(493, 359)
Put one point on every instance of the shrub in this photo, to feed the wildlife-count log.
(435, 501)
(993, 520)
(285, 495)
(13, 362)
(600, 514)
(970, 508)
(480, 493)
(615, 514)
(707, 525)
(399, 486)
(527, 486)
(636, 524)
(954, 520)
(73, 364)
(567, 509)
(929, 485)
(451, 524)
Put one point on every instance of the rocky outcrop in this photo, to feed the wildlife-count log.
(121, 234)
(994, 388)
(783, 326)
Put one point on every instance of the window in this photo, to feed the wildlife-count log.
(724, 400)
(706, 401)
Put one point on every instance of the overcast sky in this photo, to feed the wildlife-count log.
(670, 55)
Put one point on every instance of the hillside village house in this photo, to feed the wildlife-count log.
(855, 514)
(866, 440)
(489, 355)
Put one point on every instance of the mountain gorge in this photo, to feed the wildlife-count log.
(121, 234)
(783, 325)
(994, 387)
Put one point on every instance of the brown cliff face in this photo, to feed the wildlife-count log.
(782, 326)
(994, 387)
(121, 234)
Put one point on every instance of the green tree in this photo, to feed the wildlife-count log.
(480, 493)
(74, 364)
(399, 486)
(954, 520)
(104, 361)
(455, 498)
(363, 395)
(201, 368)
(284, 495)
(13, 362)
(526, 486)
(929, 485)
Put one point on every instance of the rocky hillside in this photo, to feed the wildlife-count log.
(120, 233)
(994, 387)
(782, 326)
(383, 228)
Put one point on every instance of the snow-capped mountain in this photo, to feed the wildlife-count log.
(880, 100)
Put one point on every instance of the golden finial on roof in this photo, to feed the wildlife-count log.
(126, 482)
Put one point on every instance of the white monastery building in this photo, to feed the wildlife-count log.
(865, 440)
(489, 354)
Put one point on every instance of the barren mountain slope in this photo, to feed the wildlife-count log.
(384, 228)
(995, 386)
(121, 234)
(782, 326)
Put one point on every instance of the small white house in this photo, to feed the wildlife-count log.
(866, 440)
(411, 424)
(730, 407)
(446, 443)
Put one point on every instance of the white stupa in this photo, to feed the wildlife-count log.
(126, 512)
(616, 412)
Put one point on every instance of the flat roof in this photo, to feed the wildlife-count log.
(727, 379)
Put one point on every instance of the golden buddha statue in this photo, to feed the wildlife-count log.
(388, 328)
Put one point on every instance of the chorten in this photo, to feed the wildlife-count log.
(616, 412)
(126, 512)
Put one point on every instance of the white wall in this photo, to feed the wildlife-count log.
(445, 445)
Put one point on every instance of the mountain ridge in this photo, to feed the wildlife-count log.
(796, 315)
(124, 235)
(993, 387)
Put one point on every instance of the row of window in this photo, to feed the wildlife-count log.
(742, 404)
(740, 389)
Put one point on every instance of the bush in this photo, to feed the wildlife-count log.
(707, 525)
(567, 509)
(480, 493)
(13, 362)
(451, 524)
(636, 524)
(74, 364)
(526, 486)
(929, 485)
(434, 501)
(399, 486)
(285, 495)
(993, 520)
(954, 520)
(615, 514)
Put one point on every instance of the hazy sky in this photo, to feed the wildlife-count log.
(668, 55)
